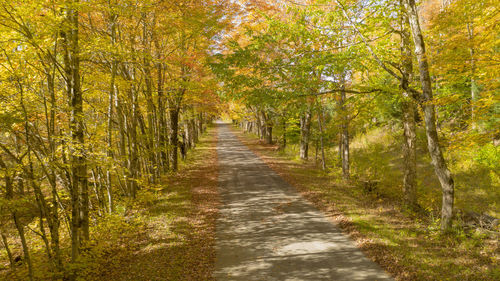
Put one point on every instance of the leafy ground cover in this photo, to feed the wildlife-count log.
(408, 245)
(175, 225)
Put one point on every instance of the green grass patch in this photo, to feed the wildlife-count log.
(408, 245)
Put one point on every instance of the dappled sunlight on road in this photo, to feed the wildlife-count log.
(267, 231)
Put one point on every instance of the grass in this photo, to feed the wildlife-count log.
(407, 245)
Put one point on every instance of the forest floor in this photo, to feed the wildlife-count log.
(174, 234)
(407, 245)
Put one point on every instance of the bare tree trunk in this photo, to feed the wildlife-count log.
(111, 102)
(438, 161)
(473, 85)
(284, 132)
(9, 195)
(122, 127)
(305, 128)
(201, 123)
(79, 187)
(173, 137)
(344, 130)
(7, 249)
(162, 124)
(53, 221)
(269, 134)
(268, 128)
(409, 155)
(133, 160)
(151, 109)
(409, 126)
(259, 125)
(187, 141)
(26, 252)
(320, 127)
(263, 126)
(194, 131)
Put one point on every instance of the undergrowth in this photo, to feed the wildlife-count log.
(409, 245)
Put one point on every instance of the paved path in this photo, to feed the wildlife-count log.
(267, 231)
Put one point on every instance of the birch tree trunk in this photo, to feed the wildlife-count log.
(111, 102)
(409, 126)
(438, 161)
(344, 130)
(305, 128)
(473, 85)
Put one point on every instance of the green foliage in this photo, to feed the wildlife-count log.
(489, 156)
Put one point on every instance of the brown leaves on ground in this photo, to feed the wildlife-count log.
(176, 238)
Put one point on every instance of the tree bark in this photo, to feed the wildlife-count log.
(263, 126)
(79, 186)
(162, 123)
(259, 125)
(268, 128)
(284, 132)
(344, 130)
(473, 85)
(111, 102)
(9, 195)
(173, 137)
(305, 128)
(438, 161)
(133, 161)
(320, 127)
(409, 125)
(7, 249)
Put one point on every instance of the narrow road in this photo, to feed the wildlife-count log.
(267, 231)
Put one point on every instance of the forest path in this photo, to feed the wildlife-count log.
(267, 231)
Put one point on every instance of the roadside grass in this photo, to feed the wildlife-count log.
(407, 245)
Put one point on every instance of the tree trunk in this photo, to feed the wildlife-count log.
(320, 127)
(133, 161)
(9, 195)
(438, 161)
(162, 124)
(111, 102)
(259, 125)
(473, 85)
(284, 132)
(151, 152)
(409, 126)
(267, 128)
(269, 134)
(173, 137)
(305, 128)
(263, 126)
(53, 219)
(79, 186)
(7, 249)
(200, 123)
(194, 132)
(344, 130)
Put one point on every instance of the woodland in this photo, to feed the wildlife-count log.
(107, 110)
